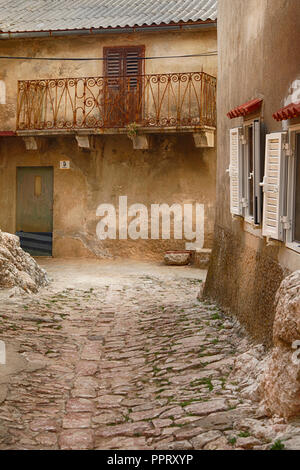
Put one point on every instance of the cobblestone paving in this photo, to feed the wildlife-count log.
(139, 364)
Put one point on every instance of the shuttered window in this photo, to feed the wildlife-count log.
(113, 62)
(253, 158)
(235, 171)
(124, 62)
(273, 186)
(291, 223)
(123, 67)
(250, 171)
(246, 169)
(258, 140)
(297, 193)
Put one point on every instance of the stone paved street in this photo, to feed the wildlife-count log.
(124, 357)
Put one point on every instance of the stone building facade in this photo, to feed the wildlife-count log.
(138, 121)
(257, 239)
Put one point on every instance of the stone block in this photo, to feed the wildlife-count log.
(202, 258)
(177, 258)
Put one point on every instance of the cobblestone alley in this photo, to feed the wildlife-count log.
(124, 357)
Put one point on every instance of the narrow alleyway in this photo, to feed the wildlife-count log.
(121, 357)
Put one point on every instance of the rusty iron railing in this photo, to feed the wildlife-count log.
(157, 100)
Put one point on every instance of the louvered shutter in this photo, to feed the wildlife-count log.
(235, 171)
(123, 69)
(113, 66)
(123, 61)
(132, 65)
(273, 186)
(113, 62)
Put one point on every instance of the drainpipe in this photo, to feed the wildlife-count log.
(95, 31)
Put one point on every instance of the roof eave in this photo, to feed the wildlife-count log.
(75, 31)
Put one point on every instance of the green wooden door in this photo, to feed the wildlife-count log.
(35, 199)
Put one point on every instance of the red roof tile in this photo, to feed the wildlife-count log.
(245, 109)
(288, 112)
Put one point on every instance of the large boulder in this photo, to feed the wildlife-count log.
(17, 268)
(281, 382)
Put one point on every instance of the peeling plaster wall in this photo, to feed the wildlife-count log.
(156, 44)
(293, 93)
(257, 58)
(172, 171)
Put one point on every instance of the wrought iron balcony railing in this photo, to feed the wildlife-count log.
(152, 101)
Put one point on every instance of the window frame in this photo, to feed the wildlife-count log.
(290, 184)
(246, 191)
(123, 49)
(122, 102)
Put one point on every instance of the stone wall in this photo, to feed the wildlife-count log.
(244, 279)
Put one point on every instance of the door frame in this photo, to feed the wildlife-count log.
(18, 166)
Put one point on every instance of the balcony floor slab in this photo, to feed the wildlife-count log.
(114, 131)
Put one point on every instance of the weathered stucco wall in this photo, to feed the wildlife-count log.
(256, 45)
(156, 44)
(172, 171)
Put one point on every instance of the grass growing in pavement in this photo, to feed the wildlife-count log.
(216, 316)
(205, 381)
(244, 434)
(278, 445)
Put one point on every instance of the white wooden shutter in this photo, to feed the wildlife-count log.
(235, 171)
(273, 186)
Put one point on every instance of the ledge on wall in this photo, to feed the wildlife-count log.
(35, 143)
(141, 142)
(30, 143)
(85, 141)
(204, 138)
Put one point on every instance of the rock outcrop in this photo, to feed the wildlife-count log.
(281, 382)
(248, 370)
(273, 378)
(17, 268)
